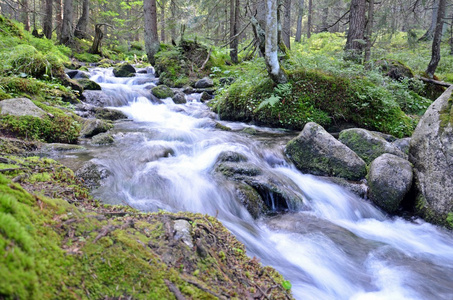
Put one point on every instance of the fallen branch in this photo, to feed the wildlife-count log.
(199, 286)
(206, 61)
(436, 82)
(105, 230)
(10, 169)
(174, 289)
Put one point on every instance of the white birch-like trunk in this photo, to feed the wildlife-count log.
(271, 43)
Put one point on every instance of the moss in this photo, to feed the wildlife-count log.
(88, 84)
(162, 91)
(366, 149)
(124, 70)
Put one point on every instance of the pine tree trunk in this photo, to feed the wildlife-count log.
(310, 13)
(59, 17)
(173, 22)
(152, 44)
(47, 22)
(429, 34)
(435, 54)
(271, 44)
(162, 22)
(369, 30)
(24, 16)
(81, 27)
(300, 14)
(286, 32)
(98, 35)
(67, 32)
(234, 19)
(356, 34)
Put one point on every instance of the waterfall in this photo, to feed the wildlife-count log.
(333, 246)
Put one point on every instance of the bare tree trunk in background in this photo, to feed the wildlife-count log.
(234, 24)
(173, 21)
(271, 44)
(67, 32)
(24, 17)
(435, 55)
(286, 32)
(325, 16)
(429, 34)
(369, 30)
(310, 15)
(152, 44)
(59, 17)
(81, 27)
(162, 22)
(300, 14)
(356, 33)
(47, 21)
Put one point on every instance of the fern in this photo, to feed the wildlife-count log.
(272, 100)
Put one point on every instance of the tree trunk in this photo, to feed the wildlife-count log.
(429, 34)
(152, 44)
(234, 19)
(173, 21)
(98, 35)
(310, 15)
(286, 32)
(369, 30)
(67, 32)
(300, 14)
(435, 54)
(24, 16)
(325, 17)
(271, 44)
(59, 17)
(81, 27)
(162, 22)
(356, 33)
(47, 22)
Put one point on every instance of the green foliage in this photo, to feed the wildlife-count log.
(87, 57)
(286, 285)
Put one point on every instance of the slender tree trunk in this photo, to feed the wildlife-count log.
(24, 16)
(271, 44)
(369, 30)
(81, 27)
(162, 22)
(173, 21)
(286, 32)
(435, 54)
(98, 35)
(152, 44)
(429, 34)
(233, 31)
(59, 17)
(47, 22)
(300, 15)
(310, 15)
(325, 17)
(67, 32)
(356, 33)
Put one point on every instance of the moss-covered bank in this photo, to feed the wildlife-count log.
(57, 243)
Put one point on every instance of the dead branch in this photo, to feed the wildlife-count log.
(174, 289)
(105, 230)
(206, 61)
(436, 82)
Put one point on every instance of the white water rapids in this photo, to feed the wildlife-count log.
(337, 246)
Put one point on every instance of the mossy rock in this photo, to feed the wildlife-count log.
(109, 114)
(89, 84)
(91, 127)
(394, 69)
(102, 139)
(162, 91)
(124, 70)
(251, 199)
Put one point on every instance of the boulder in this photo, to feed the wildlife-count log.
(389, 180)
(203, 83)
(20, 107)
(110, 114)
(179, 98)
(368, 145)
(97, 98)
(226, 80)
(431, 153)
(124, 70)
(91, 127)
(317, 152)
(89, 84)
(402, 145)
(162, 91)
(92, 174)
(102, 139)
(356, 187)
(205, 97)
(251, 199)
(76, 74)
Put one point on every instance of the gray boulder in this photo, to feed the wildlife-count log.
(403, 145)
(389, 180)
(89, 84)
(77, 74)
(92, 174)
(20, 107)
(124, 70)
(205, 97)
(98, 98)
(179, 98)
(91, 127)
(317, 152)
(203, 83)
(431, 153)
(368, 145)
(102, 139)
(162, 91)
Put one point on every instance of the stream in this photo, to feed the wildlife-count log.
(333, 246)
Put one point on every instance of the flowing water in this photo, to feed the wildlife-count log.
(334, 246)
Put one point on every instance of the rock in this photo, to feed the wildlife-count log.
(61, 147)
(205, 97)
(389, 180)
(124, 70)
(109, 114)
(251, 199)
(91, 127)
(89, 84)
(203, 83)
(97, 98)
(250, 130)
(356, 187)
(182, 232)
(92, 174)
(21, 107)
(431, 153)
(232, 169)
(226, 80)
(317, 152)
(102, 139)
(230, 156)
(222, 127)
(403, 145)
(73, 84)
(162, 92)
(368, 145)
(76, 74)
(394, 69)
(179, 98)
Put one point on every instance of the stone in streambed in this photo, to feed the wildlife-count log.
(21, 107)
(124, 70)
(162, 91)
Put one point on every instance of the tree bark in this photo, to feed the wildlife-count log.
(98, 35)
(162, 22)
(310, 14)
(271, 44)
(173, 21)
(81, 27)
(67, 32)
(59, 17)
(152, 44)
(286, 32)
(369, 30)
(429, 34)
(356, 33)
(300, 14)
(325, 17)
(24, 16)
(47, 22)
(435, 53)
(234, 40)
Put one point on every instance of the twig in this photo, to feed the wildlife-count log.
(206, 61)
(174, 289)
(10, 169)
(105, 230)
(199, 286)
